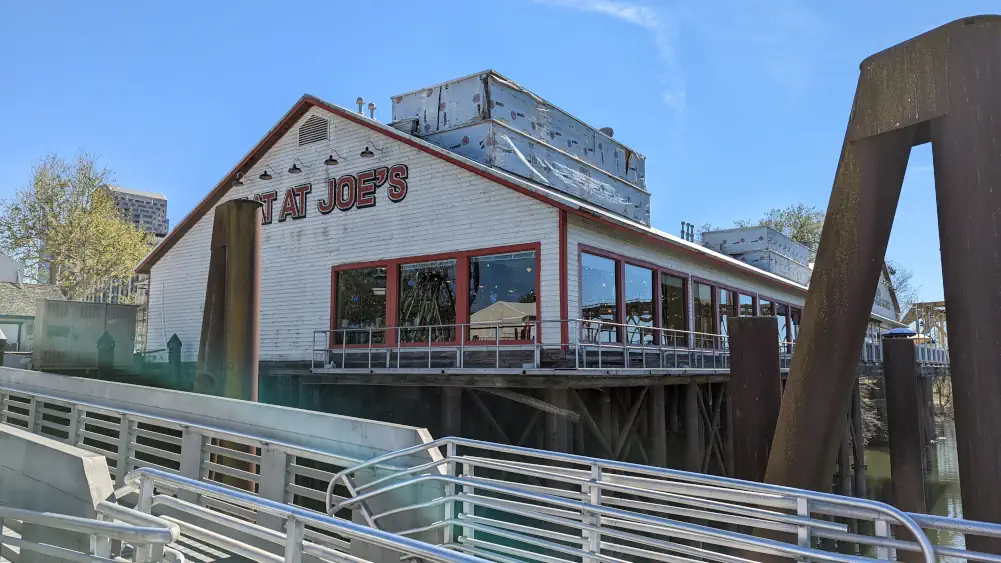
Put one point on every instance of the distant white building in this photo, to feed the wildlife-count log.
(145, 209)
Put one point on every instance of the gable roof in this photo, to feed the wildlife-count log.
(534, 190)
(18, 300)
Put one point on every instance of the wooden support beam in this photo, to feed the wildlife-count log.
(630, 424)
(590, 423)
(606, 416)
(693, 430)
(673, 406)
(549, 408)
(527, 432)
(557, 437)
(658, 425)
(858, 444)
(488, 416)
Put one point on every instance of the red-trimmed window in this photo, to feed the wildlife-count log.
(746, 305)
(427, 301)
(766, 308)
(503, 296)
(361, 306)
(599, 296)
(727, 309)
(673, 310)
(704, 311)
(639, 290)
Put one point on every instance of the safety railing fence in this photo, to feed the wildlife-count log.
(301, 532)
(148, 535)
(267, 468)
(508, 503)
(591, 345)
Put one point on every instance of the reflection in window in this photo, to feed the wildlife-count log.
(795, 317)
(599, 297)
(361, 306)
(727, 309)
(639, 304)
(427, 300)
(704, 317)
(502, 296)
(766, 308)
(746, 305)
(782, 312)
(672, 309)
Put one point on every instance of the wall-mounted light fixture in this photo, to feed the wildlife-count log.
(266, 175)
(367, 153)
(239, 179)
(331, 161)
(295, 169)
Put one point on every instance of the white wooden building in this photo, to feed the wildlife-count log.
(375, 231)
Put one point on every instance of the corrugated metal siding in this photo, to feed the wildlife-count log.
(446, 209)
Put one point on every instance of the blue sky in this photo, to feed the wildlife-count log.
(739, 106)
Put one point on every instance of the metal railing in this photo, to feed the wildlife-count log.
(147, 534)
(591, 345)
(129, 440)
(506, 502)
(302, 532)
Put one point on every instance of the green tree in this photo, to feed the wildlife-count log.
(800, 222)
(65, 227)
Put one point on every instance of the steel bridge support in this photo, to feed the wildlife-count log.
(944, 87)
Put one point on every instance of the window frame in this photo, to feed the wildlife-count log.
(789, 307)
(461, 258)
(620, 261)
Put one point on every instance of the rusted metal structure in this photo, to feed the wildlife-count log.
(227, 354)
(942, 87)
(755, 392)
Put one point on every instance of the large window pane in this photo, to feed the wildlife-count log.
(727, 309)
(639, 304)
(361, 306)
(795, 317)
(766, 308)
(746, 305)
(599, 297)
(427, 300)
(782, 312)
(704, 316)
(672, 309)
(502, 296)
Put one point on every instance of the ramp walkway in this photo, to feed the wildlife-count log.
(265, 483)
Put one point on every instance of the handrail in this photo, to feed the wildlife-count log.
(727, 489)
(144, 480)
(158, 532)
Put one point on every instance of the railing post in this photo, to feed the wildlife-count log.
(74, 416)
(295, 530)
(467, 507)
(33, 413)
(450, 494)
(497, 345)
(192, 442)
(537, 360)
(803, 533)
(462, 345)
(370, 348)
(272, 483)
(882, 531)
(124, 441)
(429, 347)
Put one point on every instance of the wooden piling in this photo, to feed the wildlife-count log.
(658, 425)
(755, 390)
(904, 424)
(693, 429)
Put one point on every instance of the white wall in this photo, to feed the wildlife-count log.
(446, 209)
(582, 231)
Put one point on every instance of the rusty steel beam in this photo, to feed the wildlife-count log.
(945, 87)
(230, 340)
(904, 424)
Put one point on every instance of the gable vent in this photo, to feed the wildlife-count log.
(314, 130)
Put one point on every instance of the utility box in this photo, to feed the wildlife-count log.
(66, 333)
(492, 120)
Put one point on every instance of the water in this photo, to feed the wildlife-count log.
(941, 480)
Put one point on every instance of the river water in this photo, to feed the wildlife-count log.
(941, 480)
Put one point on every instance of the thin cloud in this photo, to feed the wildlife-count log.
(662, 29)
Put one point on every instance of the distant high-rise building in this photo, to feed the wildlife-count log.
(145, 209)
